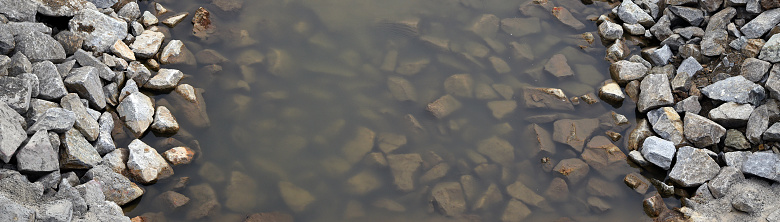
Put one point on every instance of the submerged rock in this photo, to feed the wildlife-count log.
(448, 199)
(403, 168)
(296, 198)
(574, 170)
(574, 132)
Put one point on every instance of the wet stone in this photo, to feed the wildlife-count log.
(519, 191)
(403, 168)
(448, 199)
(604, 157)
(296, 198)
(461, 85)
(557, 191)
(388, 142)
(241, 192)
(558, 66)
(502, 108)
(693, 167)
(171, 200)
(515, 211)
(574, 170)
(179, 155)
(543, 139)
(444, 106)
(145, 164)
(175, 52)
(360, 145)
(116, 188)
(488, 199)
(519, 27)
(731, 114)
(611, 93)
(574, 132)
(701, 131)
(654, 205)
(499, 65)
(563, 15)
(363, 183)
(547, 98)
(727, 176)
(636, 157)
(164, 122)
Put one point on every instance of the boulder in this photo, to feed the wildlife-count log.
(147, 44)
(86, 82)
(770, 52)
(145, 164)
(76, 152)
(57, 120)
(759, 119)
(13, 133)
(756, 27)
(624, 71)
(175, 52)
(37, 156)
(50, 85)
(610, 31)
(84, 123)
(694, 167)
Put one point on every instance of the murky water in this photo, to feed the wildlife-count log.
(311, 98)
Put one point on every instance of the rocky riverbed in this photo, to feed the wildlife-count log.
(707, 84)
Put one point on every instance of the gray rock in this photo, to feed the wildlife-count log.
(660, 56)
(105, 142)
(693, 16)
(15, 92)
(105, 211)
(70, 41)
(762, 164)
(733, 31)
(637, 158)
(148, 19)
(634, 29)
(701, 131)
(773, 133)
(658, 151)
(38, 46)
(86, 83)
(147, 44)
(736, 159)
(112, 94)
(754, 69)
(674, 41)
(86, 59)
(617, 51)
(18, 29)
(548, 98)
(693, 167)
(761, 24)
(770, 52)
(736, 140)
(58, 9)
(688, 105)
(19, 64)
(64, 68)
(5, 61)
(76, 152)
(57, 120)
(689, 32)
(85, 124)
(129, 12)
(654, 92)
(138, 72)
(611, 93)
(137, 111)
(633, 14)
(55, 211)
(753, 7)
(51, 86)
(610, 31)
(13, 133)
(145, 164)
(7, 42)
(624, 71)
(735, 89)
(92, 191)
(130, 88)
(731, 114)
(748, 200)
(690, 66)
(738, 43)
(758, 121)
(19, 11)
(772, 83)
(164, 122)
(667, 124)
(661, 30)
(13, 211)
(714, 42)
(719, 186)
(681, 82)
(67, 192)
(104, 4)
(37, 156)
(99, 30)
(116, 188)
(166, 79)
(33, 81)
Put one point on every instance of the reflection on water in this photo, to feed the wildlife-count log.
(320, 109)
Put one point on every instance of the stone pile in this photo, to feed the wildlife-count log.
(706, 82)
(71, 96)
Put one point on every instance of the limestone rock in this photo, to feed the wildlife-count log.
(624, 71)
(654, 92)
(145, 164)
(735, 89)
(667, 124)
(86, 83)
(37, 155)
(147, 44)
(731, 114)
(164, 122)
(176, 53)
(39, 46)
(76, 152)
(116, 187)
(100, 31)
(137, 111)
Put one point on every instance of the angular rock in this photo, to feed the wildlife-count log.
(519, 191)
(137, 111)
(693, 167)
(604, 157)
(558, 66)
(574, 132)
(13, 211)
(761, 24)
(130, 11)
(15, 92)
(86, 59)
(241, 192)
(120, 49)
(147, 44)
(770, 52)
(164, 122)
(37, 156)
(754, 69)
(7, 43)
(688, 105)
(115, 187)
(654, 92)
(175, 52)
(610, 31)
(515, 211)
(461, 85)
(174, 20)
(448, 199)
(86, 83)
(138, 73)
(13, 133)
(403, 167)
(145, 164)
(401, 89)
(736, 158)
(693, 16)
(758, 121)
(736, 140)
(296, 198)
(631, 13)
(762, 164)
(667, 124)
(84, 123)
(634, 29)
(624, 71)
(661, 30)
(50, 85)
(548, 98)
(701, 131)
(38, 46)
(33, 81)
(574, 170)
(191, 105)
(658, 152)
(772, 133)
(105, 142)
(76, 152)
(444, 106)
(498, 150)
(18, 10)
(714, 42)
(735, 89)
(100, 31)
(731, 114)
(166, 79)
(728, 175)
(57, 120)
(519, 27)
(563, 15)
(689, 66)
(171, 200)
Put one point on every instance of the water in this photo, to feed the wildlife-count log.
(290, 122)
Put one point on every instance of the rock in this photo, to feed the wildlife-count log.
(749, 200)
(689, 32)
(547, 98)
(499, 65)
(634, 29)
(658, 151)
(735, 89)
(714, 42)
(757, 165)
(489, 198)
(654, 205)
(543, 139)
(7, 42)
(754, 69)
(166, 79)
(191, 105)
(99, 30)
(693, 167)
(86, 59)
(241, 193)
(33, 82)
(572, 169)
(563, 15)
(693, 16)
(444, 106)
(519, 27)
(502, 108)
(147, 44)
(735, 140)
(296, 198)
(202, 27)
(611, 93)
(624, 71)
(388, 142)
(403, 168)
(654, 92)
(148, 19)
(84, 123)
(38, 46)
(604, 157)
(13, 211)
(772, 83)
(164, 122)
(37, 156)
(401, 89)
(637, 182)
(86, 83)
(574, 132)
(55, 211)
(637, 158)
(145, 164)
(76, 152)
(363, 183)
(557, 191)
(115, 187)
(690, 66)
(171, 200)
(667, 124)
(688, 105)
(120, 49)
(519, 191)
(54, 119)
(758, 121)
(761, 24)
(355, 149)
(772, 133)
(701, 131)
(179, 155)
(658, 56)
(18, 10)
(558, 67)
(138, 73)
(631, 13)
(515, 211)
(617, 51)
(275, 216)
(461, 85)
(610, 31)
(137, 111)
(661, 30)
(50, 86)
(731, 114)
(105, 142)
(176, 53)
(497, 149)
(116, 159)
(719, 186)
(69, 41)
(753, 47)
(15, 92)
(770, 52)
(448, 199)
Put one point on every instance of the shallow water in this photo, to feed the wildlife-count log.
(293, 122)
